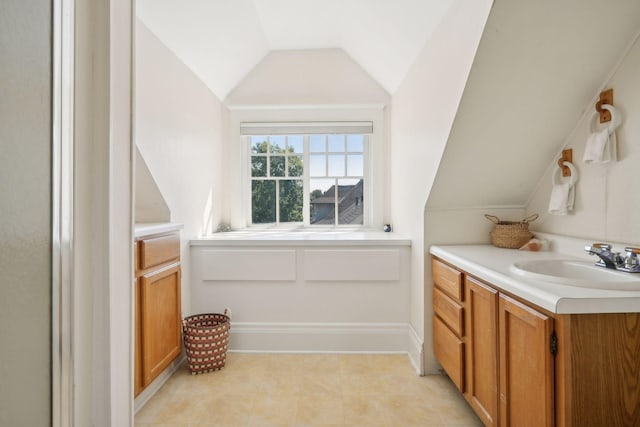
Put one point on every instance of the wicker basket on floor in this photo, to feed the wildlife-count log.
(206, 338)
(510, 234)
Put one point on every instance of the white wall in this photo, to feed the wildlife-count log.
(607, 204)
(150, 205)
(305, 85)
(178, 132)
(423, 110)
(320, 76)
(25, 229)
(537, 66)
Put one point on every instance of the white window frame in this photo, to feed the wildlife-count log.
(235, 171)
(296, 129)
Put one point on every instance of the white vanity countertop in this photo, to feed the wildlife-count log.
(146, 229)
(303, 238)
(493, 264)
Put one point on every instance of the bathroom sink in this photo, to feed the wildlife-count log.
(577, 273)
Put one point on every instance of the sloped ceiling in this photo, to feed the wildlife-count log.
(538, 67)
(222, 40)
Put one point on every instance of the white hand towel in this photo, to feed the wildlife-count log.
(612, 146)
(596, 150)
(562, 198)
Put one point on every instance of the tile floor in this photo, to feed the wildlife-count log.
(294, 390)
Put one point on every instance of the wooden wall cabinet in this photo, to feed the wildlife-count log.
(525, 367)
(158, 314)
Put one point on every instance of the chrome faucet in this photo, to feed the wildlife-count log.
(613, 260)
(608, 259)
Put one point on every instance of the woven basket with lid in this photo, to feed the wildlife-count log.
(510, 234)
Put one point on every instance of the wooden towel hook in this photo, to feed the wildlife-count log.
(567, 156)
(606, 97)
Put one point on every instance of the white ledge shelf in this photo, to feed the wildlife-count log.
(146, 229)
(302, 238)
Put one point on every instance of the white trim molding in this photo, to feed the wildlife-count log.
(234, 206)
(323, 338)
(240, 107)
(62, 108)
(416, 351)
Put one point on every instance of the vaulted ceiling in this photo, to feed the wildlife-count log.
(222, 40)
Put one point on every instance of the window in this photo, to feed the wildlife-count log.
(306, 173)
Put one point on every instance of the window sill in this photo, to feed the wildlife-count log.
(303, 238)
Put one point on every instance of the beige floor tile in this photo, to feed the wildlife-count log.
(320, 410)
(365, 410)
(322, 363)
(163, 425)
(180, 410)
(453, 412)
(364, 384)
(408, 411)
(357, 364)
(315, 384)
(308, 390)
(149, 412)
(387, 363)
(278, 385)
(226, 410)
(271, 411)
(288, 364)
(216, 424)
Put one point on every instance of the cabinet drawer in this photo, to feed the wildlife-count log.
(449, 311)
(449, 351)
(447, 279)
(158, 250)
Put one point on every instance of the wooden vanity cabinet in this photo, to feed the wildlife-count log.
(448, 322)
(158, 314)
(523, 366)
(507, 374)
(598, 370)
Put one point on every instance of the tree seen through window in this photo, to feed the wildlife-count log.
(330, 166)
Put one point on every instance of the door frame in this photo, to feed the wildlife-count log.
(92, 215)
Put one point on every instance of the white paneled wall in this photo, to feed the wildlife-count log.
(248, 264)
(301, 297)
(347, 265)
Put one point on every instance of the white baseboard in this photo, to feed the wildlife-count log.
(416, 351)
(155, 385)
(321, 337)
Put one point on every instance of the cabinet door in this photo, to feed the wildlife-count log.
(161, 320)
(526, 366)
(482, 350)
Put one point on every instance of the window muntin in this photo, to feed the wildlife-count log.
(333, 185)
(307, 178)
(277, 172)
